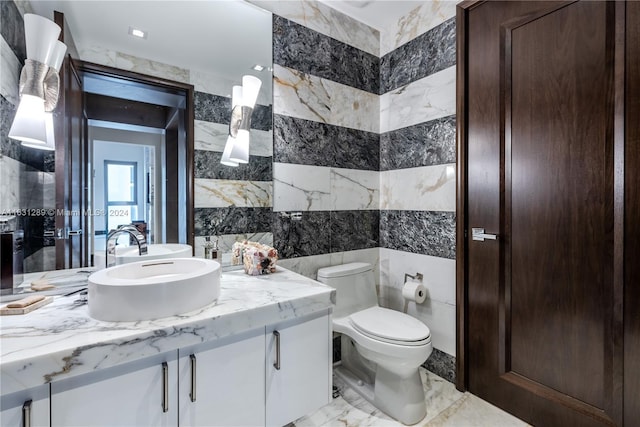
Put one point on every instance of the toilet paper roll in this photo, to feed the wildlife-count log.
(414, 291)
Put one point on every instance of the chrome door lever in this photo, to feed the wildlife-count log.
(479, 235)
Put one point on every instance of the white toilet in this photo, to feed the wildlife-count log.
(381, 348)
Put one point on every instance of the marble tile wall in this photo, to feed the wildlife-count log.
(418, 175)
(26, 174)
(326, 135)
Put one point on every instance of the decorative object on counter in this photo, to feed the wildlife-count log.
(243, 100)
(39, 83)
(256, 258)
(25, 305)
(211, 249)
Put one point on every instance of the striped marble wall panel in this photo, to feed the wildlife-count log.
(420, 232)
(331, 59)
(352, 230)
(427, 54)
(12, 28)
(305, 96)
(307, 142)
(207, 165)
(231, 220)
(217, 109)
(425, 144)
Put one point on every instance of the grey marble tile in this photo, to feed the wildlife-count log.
(309, 236)
(301, 48)
(49, 163)
(12, 28)
(442, 364)
(419, 232)
(217, 109)
(212, 108)
(427, 54)
(425, 144)
(352, 230)
(207, 165)
(307, 142)
(231, 220)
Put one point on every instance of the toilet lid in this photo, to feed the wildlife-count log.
(390, 325)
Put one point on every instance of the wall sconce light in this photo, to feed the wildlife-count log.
(39, 83)
(243, 101)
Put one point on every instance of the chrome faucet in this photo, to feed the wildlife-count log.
(111, 245)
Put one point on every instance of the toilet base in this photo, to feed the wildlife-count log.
(401, 398)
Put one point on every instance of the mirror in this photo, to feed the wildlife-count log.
(209, 45)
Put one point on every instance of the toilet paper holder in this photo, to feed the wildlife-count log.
(418, 276)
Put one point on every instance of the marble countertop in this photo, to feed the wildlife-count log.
(60, 340)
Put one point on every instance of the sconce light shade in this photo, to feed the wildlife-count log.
(41, 35)
(29, 123)
(240, 151)
(225, 160)
(49, 144)
(250, 89)
(236, 96)
(58, 55)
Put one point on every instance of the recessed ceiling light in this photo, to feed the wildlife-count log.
(137, 33)
(258, 67)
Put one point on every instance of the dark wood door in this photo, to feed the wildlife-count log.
(70, 127)
(543, 168)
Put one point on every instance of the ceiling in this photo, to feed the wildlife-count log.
(224, 37)
(379, 14)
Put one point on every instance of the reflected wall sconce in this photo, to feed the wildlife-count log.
(39, 83)
(243, 101)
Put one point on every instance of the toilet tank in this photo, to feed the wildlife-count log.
(354, 284)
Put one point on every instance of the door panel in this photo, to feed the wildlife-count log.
(632, 222)
(543, 318)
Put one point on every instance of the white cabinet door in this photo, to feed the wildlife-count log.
(30, 405)
(229, 382)
(141, 393)
(299, 380)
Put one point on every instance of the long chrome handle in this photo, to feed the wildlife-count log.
(192, 395)
(26, 414)
(165, 387)
(479, 235)
(276, 365)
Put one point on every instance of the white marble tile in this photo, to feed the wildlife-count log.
(226, 241)
(220, 193)
(426, 99)
(9, 73)
(146, 66)
(350, 409)
(30, 189)
(471, 411)
(324, 19)
(301, 187)
(353, 189)
(210, 136)
(427, 188)
(439, 274)
(308, 97)
(212, 83)
(213, 137)
(24, 6)
(308, 266)
(48, 183)
(98, 54)
(10, 183)
(424, 17)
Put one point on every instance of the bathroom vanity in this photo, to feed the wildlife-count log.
(260, 355)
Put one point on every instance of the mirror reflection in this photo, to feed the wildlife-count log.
(206, 45)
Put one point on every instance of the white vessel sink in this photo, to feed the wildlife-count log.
(127, 254)
(150, 290)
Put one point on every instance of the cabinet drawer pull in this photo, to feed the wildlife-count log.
(276, 365)
(165, 387)
(26, 414)
(192, 395)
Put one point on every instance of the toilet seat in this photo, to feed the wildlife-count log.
(390, 326)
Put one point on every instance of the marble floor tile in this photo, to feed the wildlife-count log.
(445, 407)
